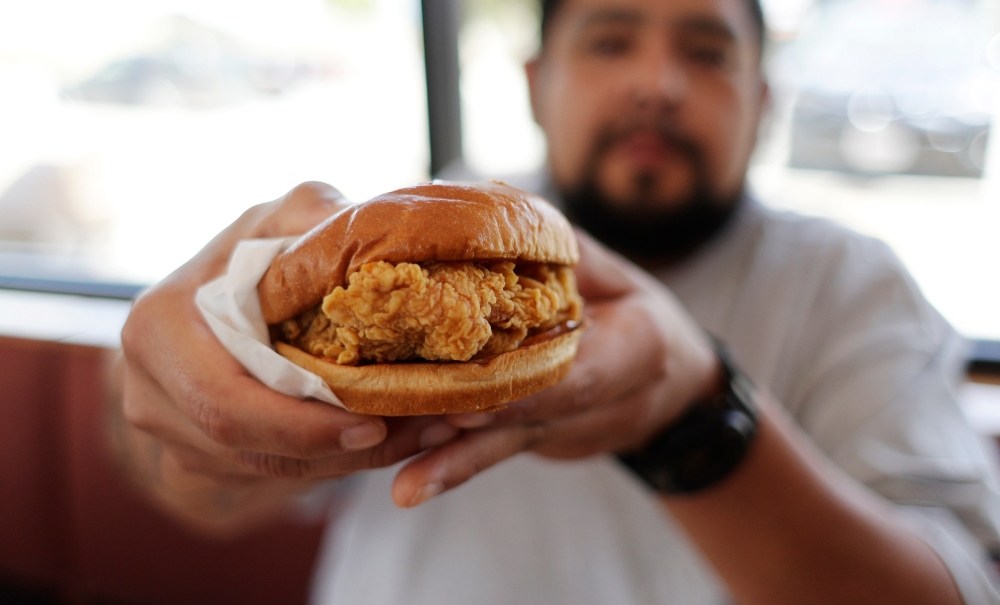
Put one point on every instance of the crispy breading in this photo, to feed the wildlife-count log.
(437, 311)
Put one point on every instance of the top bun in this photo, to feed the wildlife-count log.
(436, 221)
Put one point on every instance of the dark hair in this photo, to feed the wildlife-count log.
(549, 8)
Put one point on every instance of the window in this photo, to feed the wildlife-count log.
(134, 131)
(886, 114)
(130, 141)
(882, 119)
(500, 137)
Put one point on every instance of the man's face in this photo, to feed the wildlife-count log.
(649, 102)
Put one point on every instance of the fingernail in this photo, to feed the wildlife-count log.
(437, 434)
(473, 420)
(361, 436)
(426, 492)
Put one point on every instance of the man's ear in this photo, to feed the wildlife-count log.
(765, 108)
(766, 98)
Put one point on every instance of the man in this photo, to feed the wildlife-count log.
(846, 474)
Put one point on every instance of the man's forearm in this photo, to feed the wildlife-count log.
(788, 527)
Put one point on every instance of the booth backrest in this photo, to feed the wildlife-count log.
(73, 531)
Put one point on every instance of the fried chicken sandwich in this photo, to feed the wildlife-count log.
(432, 299)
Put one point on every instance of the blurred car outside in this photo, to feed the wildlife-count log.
(194, 65)
(891, 87)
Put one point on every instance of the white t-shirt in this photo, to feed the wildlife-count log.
(830, 322)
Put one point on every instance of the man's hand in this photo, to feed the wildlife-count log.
(208, 439)
(641, 361)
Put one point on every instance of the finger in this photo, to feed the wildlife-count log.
(241, 413)
(179, 444)
(618, 426)
(147, 408)
(606, 363)
(301, 209)
(454, 463)
(185, 448)
(166, 473)
(610, 362)
(163, 447)
(601, 273)
(229, 406)
(406, 438)
(296, 212)
(602, 429)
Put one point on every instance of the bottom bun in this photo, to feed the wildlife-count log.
(417, 388)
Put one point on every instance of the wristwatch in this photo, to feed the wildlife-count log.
(705, 444)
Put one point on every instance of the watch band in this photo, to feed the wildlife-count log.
(705, 444)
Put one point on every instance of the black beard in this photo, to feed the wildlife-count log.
(646, 229)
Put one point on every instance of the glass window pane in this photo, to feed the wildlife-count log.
(499, 136)
(134, 131)
(882, 117)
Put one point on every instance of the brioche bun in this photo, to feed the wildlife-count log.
(433, 222)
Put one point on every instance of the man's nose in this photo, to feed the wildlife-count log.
(659, 78)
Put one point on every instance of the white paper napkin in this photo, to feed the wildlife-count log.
(232, 309)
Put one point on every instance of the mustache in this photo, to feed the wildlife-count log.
(666, 130)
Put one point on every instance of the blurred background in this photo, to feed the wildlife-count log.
(130, 132)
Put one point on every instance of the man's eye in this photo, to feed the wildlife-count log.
(707, 56)
(608, 46)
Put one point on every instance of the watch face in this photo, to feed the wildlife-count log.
(702, 447)
(716, 456)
